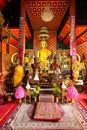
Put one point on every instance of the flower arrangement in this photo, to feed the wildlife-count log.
(56, 90)
(72, 92)
(20, 93)
(36, 91)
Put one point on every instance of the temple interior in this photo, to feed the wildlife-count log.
(43, 60)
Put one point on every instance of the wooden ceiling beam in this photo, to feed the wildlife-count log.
(29, 24)
(65, 36)
(81, 33)
(78, 36)
(67, 14)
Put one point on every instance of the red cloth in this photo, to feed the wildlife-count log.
(2, 4)
(5, 110)
(82, 99)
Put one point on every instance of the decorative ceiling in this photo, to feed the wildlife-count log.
(36, 7)
(60, 23)
(80, 33)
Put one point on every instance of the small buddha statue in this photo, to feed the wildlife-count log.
(65, 60)
(55, 65)
(35, 66)
(27, 62)
(76, 69)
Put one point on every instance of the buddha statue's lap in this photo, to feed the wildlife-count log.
(44, 65)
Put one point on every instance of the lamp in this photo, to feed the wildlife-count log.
(47, 15)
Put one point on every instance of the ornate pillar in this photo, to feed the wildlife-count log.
(1, 23)
(72, 31)
(72, 34)
(22, 33)
(0, 50)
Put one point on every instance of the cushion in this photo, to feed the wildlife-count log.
(48, 111)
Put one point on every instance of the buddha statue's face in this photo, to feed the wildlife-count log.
(43, 44)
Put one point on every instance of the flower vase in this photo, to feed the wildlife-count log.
(57, 99)
(35, 99)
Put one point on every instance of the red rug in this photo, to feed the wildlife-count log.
(6, 109)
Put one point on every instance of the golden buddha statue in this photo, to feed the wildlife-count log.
(65, 60)
(27, 62)
(76, 69)
(43, 55)
(35, 66)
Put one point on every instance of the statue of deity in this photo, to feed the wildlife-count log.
(55, 66)
(35, 66)
(27, 63)
(65, 60)
(76, 69)
(43, 55)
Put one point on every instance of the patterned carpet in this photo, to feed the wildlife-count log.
(70, 121)
(81, 113)
(26, 112)
(77, 106)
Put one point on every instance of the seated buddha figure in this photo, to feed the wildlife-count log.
(43, 55)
